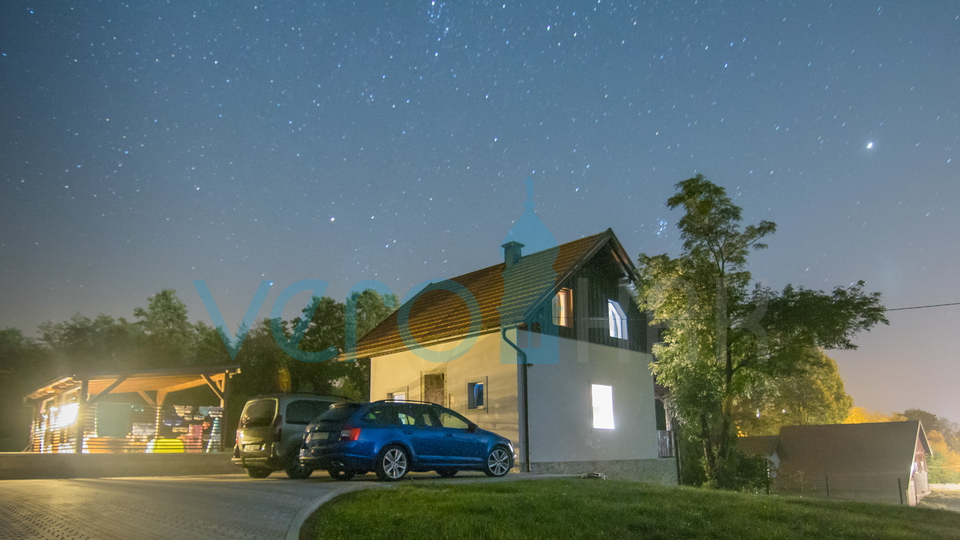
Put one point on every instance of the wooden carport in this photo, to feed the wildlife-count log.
(152, 385)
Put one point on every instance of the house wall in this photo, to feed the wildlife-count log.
(560, 374)
(405, 370)
(562, 436)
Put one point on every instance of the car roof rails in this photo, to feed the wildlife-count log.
(405, 401)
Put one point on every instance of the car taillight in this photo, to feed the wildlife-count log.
(277, 428)
(349, 434)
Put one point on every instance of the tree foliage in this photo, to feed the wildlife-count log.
(813, 396)
(163, 337)
(723, 340)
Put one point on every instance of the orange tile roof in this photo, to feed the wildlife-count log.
(502, 297)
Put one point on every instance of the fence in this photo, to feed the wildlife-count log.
(665, 446)
(886, 487)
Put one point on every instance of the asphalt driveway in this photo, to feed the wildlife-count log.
(229, 506)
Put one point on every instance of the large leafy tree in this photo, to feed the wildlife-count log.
(815, 395)
(724, 340)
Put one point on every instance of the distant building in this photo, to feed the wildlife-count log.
(880, 462)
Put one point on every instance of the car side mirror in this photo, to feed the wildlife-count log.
(471, 427)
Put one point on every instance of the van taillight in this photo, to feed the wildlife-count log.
(349, 434)
(277, 428)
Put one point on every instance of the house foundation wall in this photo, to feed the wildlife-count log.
(653, 471)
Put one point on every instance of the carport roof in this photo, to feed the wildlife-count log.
(162, 381)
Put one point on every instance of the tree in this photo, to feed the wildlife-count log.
(859, 415)
(814, 396)
(169, 336)
(723, 342)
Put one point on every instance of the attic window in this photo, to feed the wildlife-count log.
(618, 320)
(563, 308)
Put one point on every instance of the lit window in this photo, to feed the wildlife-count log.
(563, 308)
(602, 406)
(618, 320)
(397, 396)
(475, 395)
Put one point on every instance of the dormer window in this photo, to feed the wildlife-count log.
(563, 308)
(617, 319)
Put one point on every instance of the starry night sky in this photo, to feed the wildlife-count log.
(144, 145)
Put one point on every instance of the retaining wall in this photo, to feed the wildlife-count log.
(24, 465)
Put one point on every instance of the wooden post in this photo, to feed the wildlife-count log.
(827, 478)
(224, 402)
(81, 415)
(900, 490)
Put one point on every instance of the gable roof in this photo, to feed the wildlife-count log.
(884, 447)
(500, 296)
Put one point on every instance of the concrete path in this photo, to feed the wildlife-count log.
(184, 507)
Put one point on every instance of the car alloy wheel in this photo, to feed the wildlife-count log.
(393, 464)
(498, 462)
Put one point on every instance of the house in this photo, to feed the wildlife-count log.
(547, 348)
(880, 462)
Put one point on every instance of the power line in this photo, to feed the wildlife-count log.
(924, 307)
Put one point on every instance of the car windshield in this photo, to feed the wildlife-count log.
(258, 413)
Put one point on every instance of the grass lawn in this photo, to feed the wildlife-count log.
(569, 509)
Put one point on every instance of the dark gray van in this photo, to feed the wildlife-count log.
(271, 430)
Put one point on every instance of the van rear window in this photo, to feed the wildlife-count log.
(258, 413)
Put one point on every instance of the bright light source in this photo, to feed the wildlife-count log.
(869, 145)
(602, 406)
(66, 415)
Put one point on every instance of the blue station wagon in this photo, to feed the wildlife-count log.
(392, 438)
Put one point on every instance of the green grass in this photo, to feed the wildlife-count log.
(570, 509)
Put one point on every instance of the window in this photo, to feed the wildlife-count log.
(602, 406)
(450, 419)
(618, 320)
(304, 411)
(476, 395)
(563, 308)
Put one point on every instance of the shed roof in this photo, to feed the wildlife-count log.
(145, 380)
(883, 447)
(497, 296)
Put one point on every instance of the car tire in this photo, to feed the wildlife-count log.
(341, 475)
(256, 472)
(393, 463)
(447, 472)
(296, 471)
(498, 463)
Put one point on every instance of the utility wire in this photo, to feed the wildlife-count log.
(924, 307)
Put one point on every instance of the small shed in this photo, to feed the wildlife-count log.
(878, 462)
(73, 408)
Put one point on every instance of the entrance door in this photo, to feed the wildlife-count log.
(433, 388)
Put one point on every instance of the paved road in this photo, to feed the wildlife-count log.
(184, 507)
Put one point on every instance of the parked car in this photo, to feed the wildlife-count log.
(393, 438)
(271, 430)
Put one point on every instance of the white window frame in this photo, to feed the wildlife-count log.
(617, 319)
(401, 393)
(602, 399)
(471, 405)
